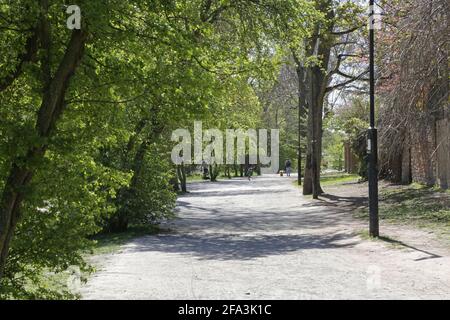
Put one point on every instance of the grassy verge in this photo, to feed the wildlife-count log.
(111, 242)
(57, 283)
(199, 177)
(364, 234)
(194, 177)
(416, 205)
(334, 179)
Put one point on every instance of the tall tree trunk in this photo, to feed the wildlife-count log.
(316, 92)
(181, 173)
(317, 80)
(213, 172)
(52, 106)
(227, 171)
(258, 168)
(301, 110)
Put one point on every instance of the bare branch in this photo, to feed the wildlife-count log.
(351, 80)
(341, 33)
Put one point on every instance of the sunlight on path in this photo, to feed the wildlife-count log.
(260, 239)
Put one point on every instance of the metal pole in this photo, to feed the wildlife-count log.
(372, 146)
(299, 155)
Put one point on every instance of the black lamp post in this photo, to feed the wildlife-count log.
(372, 147)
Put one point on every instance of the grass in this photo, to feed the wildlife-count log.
(106, 243)
(415, 204)
(194, 177)
(199, 177)
(111, 242)
(335, 179)
(364, 234)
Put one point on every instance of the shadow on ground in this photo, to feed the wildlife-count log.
(238, 247)
(230, 192)
(430, 255)
(242, 217)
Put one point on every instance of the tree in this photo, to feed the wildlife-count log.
(330, 42)
(55, 86)
(353, 120)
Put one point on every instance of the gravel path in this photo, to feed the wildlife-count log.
(261, 239)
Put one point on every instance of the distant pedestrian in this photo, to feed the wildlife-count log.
(249, 172)
(287, 167)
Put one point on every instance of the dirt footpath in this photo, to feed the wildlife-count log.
(261, 239)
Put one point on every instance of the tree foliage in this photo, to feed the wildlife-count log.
(86, 115)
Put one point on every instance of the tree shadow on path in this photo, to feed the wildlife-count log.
(342, 201)
(239, 247)
(240, 219)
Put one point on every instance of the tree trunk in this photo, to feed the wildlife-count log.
(317, 81)
(258, 168)
(227, 171)
(301, 111)
(118, 223)
(213, 172)
(120, 220)
(10, 209)
(307, 178)
(311, 184)
(181, 172)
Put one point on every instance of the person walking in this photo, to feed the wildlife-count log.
(287, 167)
(249, 172)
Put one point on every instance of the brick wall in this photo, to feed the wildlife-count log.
(443, 153)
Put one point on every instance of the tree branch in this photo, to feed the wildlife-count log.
(341, 33)
(345, 83)
(28, 55)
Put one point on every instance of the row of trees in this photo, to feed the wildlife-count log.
(412, 86)
(330, 70)
(86, 114)
(329, 61)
